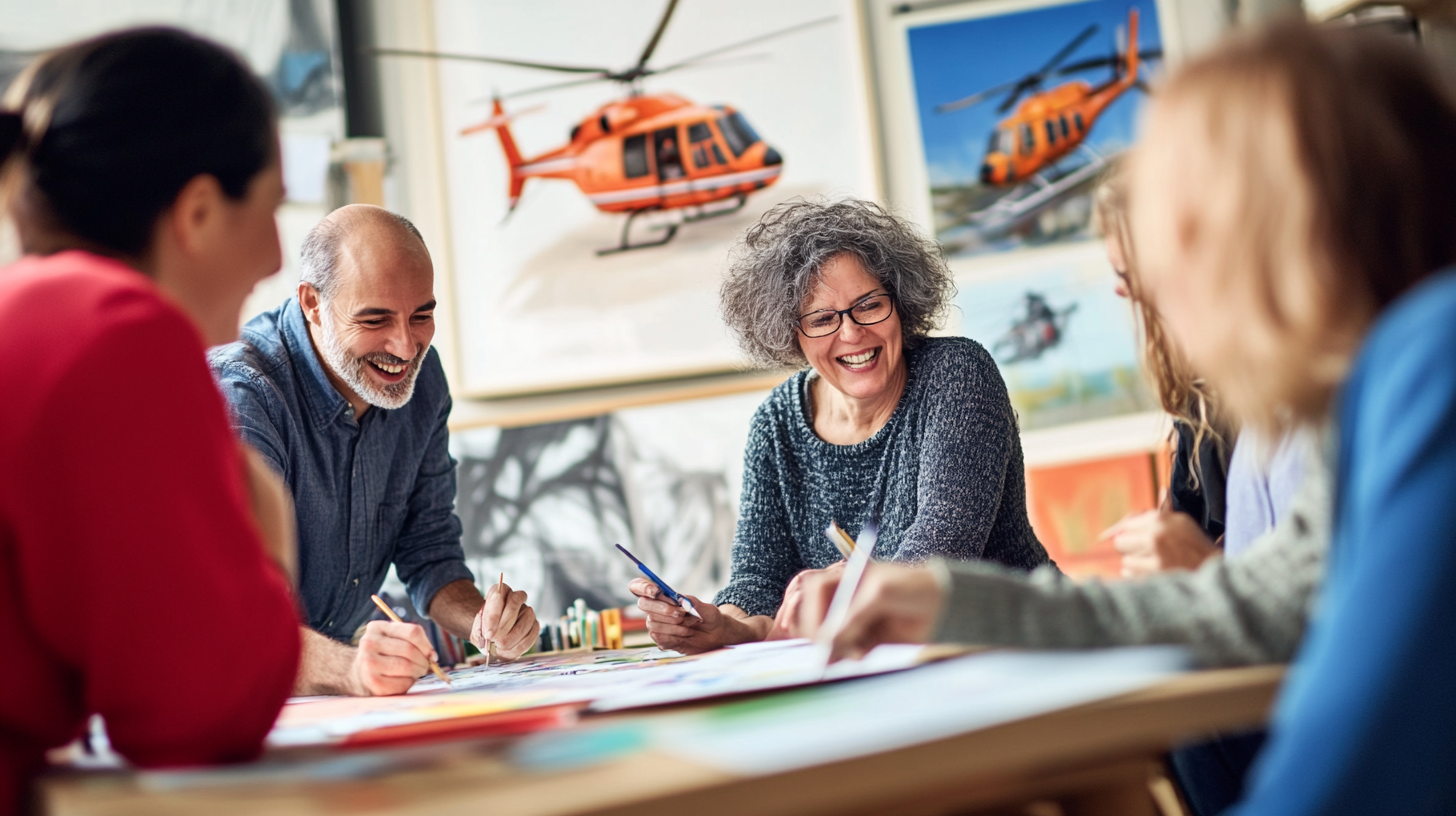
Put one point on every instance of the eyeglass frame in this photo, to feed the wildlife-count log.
(843, 313)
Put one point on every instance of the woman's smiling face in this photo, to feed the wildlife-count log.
(862, 362)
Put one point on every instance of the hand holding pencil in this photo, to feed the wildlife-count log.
(506, 621)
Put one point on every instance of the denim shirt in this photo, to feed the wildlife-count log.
(368, 493)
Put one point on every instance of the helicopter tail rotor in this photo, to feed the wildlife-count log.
(500, 122)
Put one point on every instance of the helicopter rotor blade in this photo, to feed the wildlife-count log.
(1021, 88)
(1067, 50)
(554, 86)
(750, 41)
(708, 63)
(656, 35)
(976, 98)
(540, 66)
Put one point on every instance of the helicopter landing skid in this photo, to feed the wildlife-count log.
(671, 229)
(626, 244)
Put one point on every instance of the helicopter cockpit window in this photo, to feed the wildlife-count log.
(1028, 140)
(737, 132)
(634, 156)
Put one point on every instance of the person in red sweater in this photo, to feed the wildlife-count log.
(142, 174)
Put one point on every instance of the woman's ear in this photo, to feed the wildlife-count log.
(195, 220)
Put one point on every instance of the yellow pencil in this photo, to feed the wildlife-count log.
(384, 607)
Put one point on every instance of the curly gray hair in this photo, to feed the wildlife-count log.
(779, 260)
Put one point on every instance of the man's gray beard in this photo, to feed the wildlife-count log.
(351, 370)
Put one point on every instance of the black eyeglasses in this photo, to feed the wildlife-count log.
(871, 309)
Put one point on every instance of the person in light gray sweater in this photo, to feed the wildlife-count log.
(1230, 612)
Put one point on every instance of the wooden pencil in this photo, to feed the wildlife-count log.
(384, 607)
(500, 590)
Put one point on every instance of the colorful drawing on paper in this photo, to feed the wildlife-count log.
(606, 680)
(1019, 113)
(538, 308)
(1065, 342)
(1071, 505)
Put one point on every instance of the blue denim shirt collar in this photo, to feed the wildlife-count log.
(324, 400)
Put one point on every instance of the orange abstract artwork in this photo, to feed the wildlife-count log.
(1070, 506)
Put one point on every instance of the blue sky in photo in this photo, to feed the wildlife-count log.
(953, 60)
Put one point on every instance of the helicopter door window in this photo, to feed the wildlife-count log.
(718, 154)
(1028, 140)
(700, 137)
(669, 154)
(634, 156)
(1051, 129)
(1066, 132)
(1077, 120)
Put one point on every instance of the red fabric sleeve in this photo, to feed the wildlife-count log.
(147, 576)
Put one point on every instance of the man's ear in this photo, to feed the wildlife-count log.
(196, 216)
(310, 302)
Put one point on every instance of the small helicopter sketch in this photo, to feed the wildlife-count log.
(1025, 150)
(643, 153)
(1036, 332)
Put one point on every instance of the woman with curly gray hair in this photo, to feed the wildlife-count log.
(884, 422)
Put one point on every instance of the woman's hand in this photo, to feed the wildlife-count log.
(673, 628)
(786, 624)
(1159, 540)
(893, 604)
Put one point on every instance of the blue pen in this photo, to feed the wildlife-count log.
(662, 585)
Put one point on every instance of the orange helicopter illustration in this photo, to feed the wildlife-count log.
(646, 152)
(1050, 124)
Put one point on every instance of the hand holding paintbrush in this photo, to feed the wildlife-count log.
(505, 627)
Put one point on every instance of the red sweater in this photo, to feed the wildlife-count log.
(133, 582)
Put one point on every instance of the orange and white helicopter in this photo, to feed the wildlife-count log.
(1050, 124)
(645, 152)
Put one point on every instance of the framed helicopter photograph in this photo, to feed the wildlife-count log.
(999, 116)
(601, 158)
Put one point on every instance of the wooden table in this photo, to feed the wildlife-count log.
(1088, 760)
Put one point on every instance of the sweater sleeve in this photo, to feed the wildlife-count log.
(1230, 612)
(152, 581)
(966, 444)
(764, 558)
(1364, 724)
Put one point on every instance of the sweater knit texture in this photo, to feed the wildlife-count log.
(944, 476)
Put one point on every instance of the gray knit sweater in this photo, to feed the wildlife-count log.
(944, 475)
(1230, 612)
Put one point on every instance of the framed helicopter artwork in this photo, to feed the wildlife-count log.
(602, 156)
(999, 117)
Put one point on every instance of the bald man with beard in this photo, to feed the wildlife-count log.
(341, 392)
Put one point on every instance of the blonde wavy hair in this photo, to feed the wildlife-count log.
(1292, 183)
(1180, 393)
